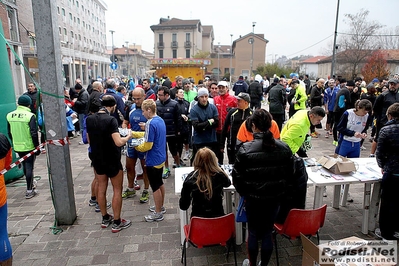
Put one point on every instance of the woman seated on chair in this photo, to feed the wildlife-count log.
(204, 186)
(262, 171)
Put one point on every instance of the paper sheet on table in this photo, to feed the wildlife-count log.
(365, 175)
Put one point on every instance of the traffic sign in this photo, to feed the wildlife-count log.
(113, 65)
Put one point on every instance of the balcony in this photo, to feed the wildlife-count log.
(26, 49)
(161, 45)
(174, 44)
(187, 44)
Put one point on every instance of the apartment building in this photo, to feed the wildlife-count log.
(82, 32)
(182, 39)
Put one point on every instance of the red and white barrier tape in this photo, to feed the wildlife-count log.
(59, 142)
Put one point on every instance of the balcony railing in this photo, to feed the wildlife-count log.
(161, 44)
(174, 44)
(187, 44)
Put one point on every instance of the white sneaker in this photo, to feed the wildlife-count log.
(362, 148)
(245, 262)
(186, 155)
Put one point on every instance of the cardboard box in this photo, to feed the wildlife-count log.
(337, 164)
(311, 255)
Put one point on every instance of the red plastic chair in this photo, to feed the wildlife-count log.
(203, 232)
(307, 222)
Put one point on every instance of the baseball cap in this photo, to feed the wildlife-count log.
(223, 83)
(396, 81)
(244, 96)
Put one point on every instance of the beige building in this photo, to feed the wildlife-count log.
(176, 38)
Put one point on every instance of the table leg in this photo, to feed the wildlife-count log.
(229, 201)
(374, 205)
(336, 196)
(344, 197)
(239, 239)
(366, 208)
(183, 222)
(318, 197)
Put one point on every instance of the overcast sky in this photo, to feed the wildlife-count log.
(291, 26)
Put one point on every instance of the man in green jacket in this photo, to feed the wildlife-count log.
(295, 131)
(300, 97)
(22, 130)
(189, 94)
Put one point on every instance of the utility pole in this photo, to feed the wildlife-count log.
(231, 55)
(127, 58)
(335, 42)
(251, 41)
(218, 61)
(50, 68)
(113, 56)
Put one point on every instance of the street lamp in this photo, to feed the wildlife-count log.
(113, 56)
(335, 42)
(251, 41)
(127, 58)
(218, 61)
(231, 54)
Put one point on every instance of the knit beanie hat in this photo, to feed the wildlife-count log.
(24, 100)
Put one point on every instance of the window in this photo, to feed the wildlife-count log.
(161, 37)
(174, 37)
(160, 53)
(59, 30)
(226, 70)
(72, 34)
(63, 12)
(77, 4)
(65, 32)
(78, 21)
(58, 10)
(188, 53)
(70, 16)
(187, 37)
(174, 52)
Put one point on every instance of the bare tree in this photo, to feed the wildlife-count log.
(357, 40)
(388, 39)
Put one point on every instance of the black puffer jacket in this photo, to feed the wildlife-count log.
(387, 152)
(263, 174)
(169, 112)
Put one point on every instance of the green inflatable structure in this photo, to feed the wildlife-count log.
(7, 102)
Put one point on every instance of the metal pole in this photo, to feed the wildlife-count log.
(252, 54)
(127, 58)
(231, 54)
(218, 61)
(50, 68)
(335, 42)
(112, 38)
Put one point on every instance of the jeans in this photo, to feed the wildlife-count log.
(28, 168)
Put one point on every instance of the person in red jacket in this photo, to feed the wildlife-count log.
(224, 102)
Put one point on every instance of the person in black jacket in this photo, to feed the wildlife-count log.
(255, 90)
(168, 110)
(234, 118)
(277, 102)
(263, 170)
(204, 186)
(185, 131)
(387, 158)
(81, 106)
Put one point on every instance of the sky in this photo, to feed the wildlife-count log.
(292, 27)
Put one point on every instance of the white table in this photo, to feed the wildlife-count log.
(366, 168)
(180, 175)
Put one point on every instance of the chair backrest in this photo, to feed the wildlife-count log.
(211, 231)
(307, 222)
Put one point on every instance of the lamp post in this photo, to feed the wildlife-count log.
(112, 38)
(127, 58)
(218, 61)
(251, 41)
(231, 54)
(335, 42)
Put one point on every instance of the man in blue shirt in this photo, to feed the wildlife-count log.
(154, 147)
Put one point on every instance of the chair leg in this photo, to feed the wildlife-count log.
(275, 246)
(183, 254)
(234, 251)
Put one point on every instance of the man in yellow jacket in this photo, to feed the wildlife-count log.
(22, 130)
(295, 131)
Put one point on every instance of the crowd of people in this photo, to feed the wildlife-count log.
(198, 123)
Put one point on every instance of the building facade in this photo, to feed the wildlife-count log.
(176, 39)
(82, 32)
